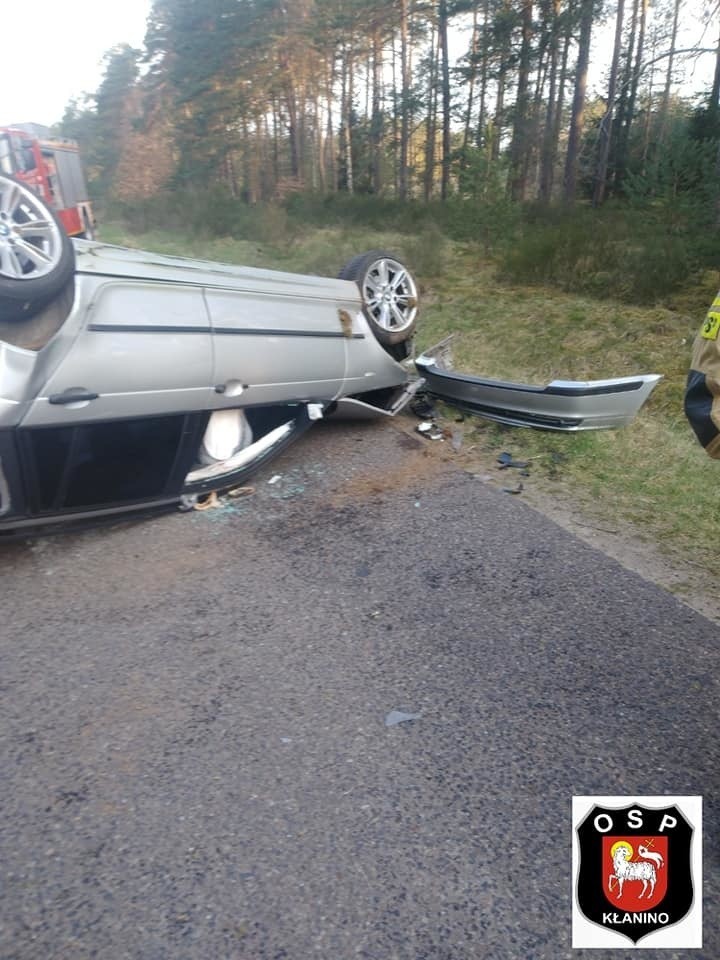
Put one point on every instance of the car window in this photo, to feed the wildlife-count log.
(96, 464)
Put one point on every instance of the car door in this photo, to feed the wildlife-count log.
(273, 344)
(115, 420)
(143, 349)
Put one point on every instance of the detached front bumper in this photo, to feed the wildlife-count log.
(565, 405)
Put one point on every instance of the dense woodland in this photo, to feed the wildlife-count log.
(474, 102)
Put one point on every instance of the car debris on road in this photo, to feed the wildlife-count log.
(564, 405)
(399, 716)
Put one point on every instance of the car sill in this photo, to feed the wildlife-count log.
(243, 458)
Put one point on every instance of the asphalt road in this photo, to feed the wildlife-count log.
(194, 754)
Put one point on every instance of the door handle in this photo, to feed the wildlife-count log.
(231, 388)
(73, 395)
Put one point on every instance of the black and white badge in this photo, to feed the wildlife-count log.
(637, 872)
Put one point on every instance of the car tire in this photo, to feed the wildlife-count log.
(389, 295)
(37, 259)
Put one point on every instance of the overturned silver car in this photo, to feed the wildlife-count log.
(130, 380)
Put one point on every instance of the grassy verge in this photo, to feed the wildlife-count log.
(652, 473)
(320, 250)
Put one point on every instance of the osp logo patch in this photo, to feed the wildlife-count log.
(637, 871)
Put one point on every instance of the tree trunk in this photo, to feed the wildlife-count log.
(638, 60)
(559, 105)
(230, 176)
(376, 122)
(715, 92)
(349, 173)
(342, 133)
(578, 107)
(319, 152)
(330, 132)
(345, 120)
(300, 102)
(267, 180)
(293, 130)
(531, 156)
(520, 140)
(404, 96)
(621, 164)
(665, 109)
(607, 121)
(647, 130)
(504, 59)
(714, 111)
(247, 177)
(623, 116)
(256, 165)
(431, 123)
(547, 158)
(483, 77)
(396, 147)
(499, 109)
(275, 141)
(471, 85)
(445, 85)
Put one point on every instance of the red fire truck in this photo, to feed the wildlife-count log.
(52, 168)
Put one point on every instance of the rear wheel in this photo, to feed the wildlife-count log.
(36, 256)
(389, 295)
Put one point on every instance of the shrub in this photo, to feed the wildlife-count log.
(427, 252)
(208, 213)
(605, 253)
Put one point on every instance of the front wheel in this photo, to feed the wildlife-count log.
(36, 256)
(389, 295)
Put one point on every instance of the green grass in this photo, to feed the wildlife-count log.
(322, 251)
(652, 473)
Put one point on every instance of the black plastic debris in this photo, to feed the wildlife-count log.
(506, 460)
(423, 407)
(398, 716)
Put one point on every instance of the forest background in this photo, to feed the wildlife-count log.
(556, 234)
(348, 109)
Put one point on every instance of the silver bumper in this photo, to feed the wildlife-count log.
(565, 405)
